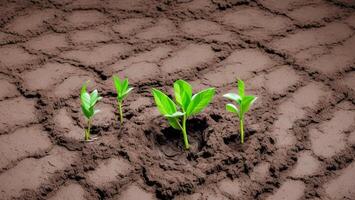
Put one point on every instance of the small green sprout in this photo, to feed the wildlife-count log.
(188, 105)
(88, 102)
(122, 91)
(244, 102)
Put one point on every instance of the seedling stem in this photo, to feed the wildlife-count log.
(184, 133)
(87, 131)
(120, 110)
(241, 129)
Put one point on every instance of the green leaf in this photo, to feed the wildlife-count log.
(84, 96)
(86, 112)
(83, 89)
(164, 103)
(233, 96)
(247, 102)
(175, 115)
(118, 84)
(199, 101)
(121, 87)
(85, 100)
(125, 93)
(174, 123)
(94, 96)
(88, 101)
(91, 111)
(183, 93)
(124, 86)
(241, 88)
(232, 108)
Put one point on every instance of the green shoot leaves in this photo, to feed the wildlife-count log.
(233, 97)
(232, 108)
(88, 102)
(186, 105)
(244, 102)
(200, 101)
(247, 101)
(122, 89)
(183, 93)
(165, 105)
(241, 88)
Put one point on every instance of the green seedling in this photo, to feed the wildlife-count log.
(88, 102)
(122, 89)
(244, 102)
(187, 105)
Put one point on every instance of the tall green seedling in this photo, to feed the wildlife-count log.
(186, 105)
(88, 102)
(244, 102)
(122, 89)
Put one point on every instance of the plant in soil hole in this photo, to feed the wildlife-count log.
(88, 102)
(187, 105)
(244, 102)
(122, 89)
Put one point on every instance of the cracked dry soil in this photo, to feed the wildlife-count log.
(297, 56)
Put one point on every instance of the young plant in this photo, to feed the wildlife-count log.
(122, 91)
(244, 102)
(88, 102)
(187, 105)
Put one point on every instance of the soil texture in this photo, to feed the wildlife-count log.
(297, 56)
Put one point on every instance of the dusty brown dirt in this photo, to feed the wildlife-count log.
(297, 56)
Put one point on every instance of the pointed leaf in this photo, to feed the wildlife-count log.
(183, 93)
(85, 100)
(199, 101)
(83, 88)
(175, 115)
(86, 112)
(233, 96)
(124, 86)
(164, 103)
(117, 83)
(241, 88)
(232, 108)
(94, 96)
(84, 96)
(247, 102)
(174, 123)
(125, 93)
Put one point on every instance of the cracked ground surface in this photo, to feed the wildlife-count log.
(297, 56)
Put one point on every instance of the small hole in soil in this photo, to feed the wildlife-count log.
(263, 149)
(129, 116)
(231, 139)
(216, 117)
(170, 134)
(95, 130)
(170, 139)
(197, 125)
(206, 154)
(101, 193)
